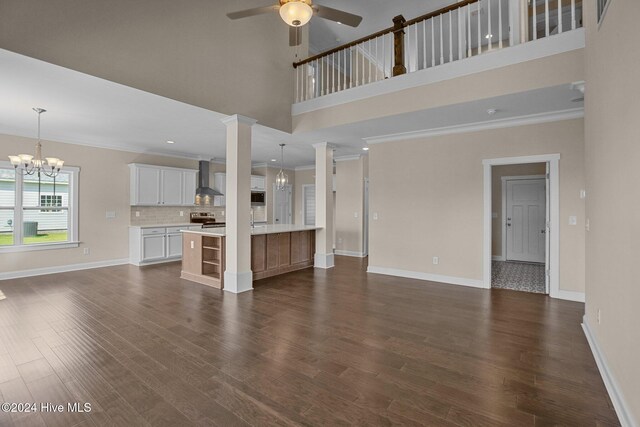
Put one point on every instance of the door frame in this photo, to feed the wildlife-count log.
(365, 219)
(553, 268)
(290, 197)
(503, 180)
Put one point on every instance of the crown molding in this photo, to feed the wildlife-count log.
(305, 168)
(237, 118)
(555, 116)
(348, 157)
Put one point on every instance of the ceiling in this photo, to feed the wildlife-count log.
(87, 110)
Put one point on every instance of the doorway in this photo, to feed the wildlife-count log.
(282, 209)
(521, 209)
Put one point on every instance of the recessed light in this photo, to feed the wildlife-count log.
(338, 22)
(488, 36)
(274, 160)
(491, 111)
(171, 142)
(365, 148)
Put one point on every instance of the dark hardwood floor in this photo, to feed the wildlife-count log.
(313, 347)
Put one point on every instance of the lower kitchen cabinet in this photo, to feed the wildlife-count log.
(156, 244)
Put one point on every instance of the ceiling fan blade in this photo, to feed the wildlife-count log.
(295, 36)
(336, 15)
(252, 12)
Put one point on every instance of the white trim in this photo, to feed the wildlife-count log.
(305, 168)
(531, 119)
(615, 392)
(571, 295)
(238, 282)
(239, 119)
(62, 268)
(347, 158)
(38, 247)
(474, 283)
(554, 218)
(350, 253)
(503, 226)
(541, 48)
(498, 258)
(323, 260)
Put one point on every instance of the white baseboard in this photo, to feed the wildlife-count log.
(615, 394)
(323, 260)
(570, 295)
(351, 253)
(238, 282)
(62, 268)
(426, 276)
(498, 258)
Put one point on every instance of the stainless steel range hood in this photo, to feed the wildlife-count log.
(203, 189)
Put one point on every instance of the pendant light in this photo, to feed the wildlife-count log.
(281, 178)
(30, 165)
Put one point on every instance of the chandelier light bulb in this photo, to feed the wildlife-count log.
(296, 13)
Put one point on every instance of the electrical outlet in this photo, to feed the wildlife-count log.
(192, 244)
(573, 220)
(355, 214)
(586, 225)
(436, 260)
(181, 213)
(222, 213)
(137, 214)
(599, 316)
(86, 251)
(583, 194)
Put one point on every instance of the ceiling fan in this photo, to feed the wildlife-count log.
(296, 13)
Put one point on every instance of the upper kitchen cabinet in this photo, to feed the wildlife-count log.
(257, 183)
(158, 185)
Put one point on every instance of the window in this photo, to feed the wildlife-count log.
(37, 213)
(309, 204)
(602, 8)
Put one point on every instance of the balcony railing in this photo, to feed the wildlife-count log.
(461, 30)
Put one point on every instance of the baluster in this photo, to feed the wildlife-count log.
(416, 56)
(441, 43)
(317, 83)
(535, 20)
(357, 75)
(433, 42)
(489, 33)
(371, 59)
(460, 35)
(559, 16)
(384, 57)
(479, 30)
(500, 24)
(573, 14)
(450, 38)
(424, 45)
(470, 53)
(362, 54)
(546, 18)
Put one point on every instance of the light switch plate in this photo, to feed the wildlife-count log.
(137, 214)
(355, 214)
(436, 260)
(573, 220)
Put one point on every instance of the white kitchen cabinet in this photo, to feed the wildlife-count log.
(257, 183)
(153, 247)
(174, 245)
(158, 185)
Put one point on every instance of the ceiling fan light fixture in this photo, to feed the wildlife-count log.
(296, 13)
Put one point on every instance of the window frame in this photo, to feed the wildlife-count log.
(601, 14)
(18, 210)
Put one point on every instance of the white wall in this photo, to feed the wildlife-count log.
(428, 194)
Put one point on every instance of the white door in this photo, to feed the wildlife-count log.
(171, 187)
(174, 245)
(153, 247)
(282, 205)
(309, 204)
(526, 220)
(547, 243)
(365, 246)
(148, 186)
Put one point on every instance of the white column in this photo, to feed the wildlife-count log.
(237, 275)
(324, 205)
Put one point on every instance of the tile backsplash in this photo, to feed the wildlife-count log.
(150, 215)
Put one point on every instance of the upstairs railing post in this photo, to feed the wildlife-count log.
(398, 45)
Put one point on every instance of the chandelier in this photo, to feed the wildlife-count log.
(30, 165)
(281, 178)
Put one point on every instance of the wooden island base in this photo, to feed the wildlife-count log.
(203, 258)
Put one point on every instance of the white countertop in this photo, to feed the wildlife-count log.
(257, 230)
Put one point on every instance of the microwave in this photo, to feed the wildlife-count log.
(258, 198)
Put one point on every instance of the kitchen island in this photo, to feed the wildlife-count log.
(275, 249)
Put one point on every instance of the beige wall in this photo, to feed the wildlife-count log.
(349, 201)
(612, 154)
(540, 73)
(185, 50)
(497, 172)
(103, 186)
(303, 177)
(428, 194)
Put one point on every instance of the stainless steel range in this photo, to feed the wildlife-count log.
(207, 219)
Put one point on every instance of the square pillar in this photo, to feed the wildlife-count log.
(324, 205)
(237, 275)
